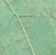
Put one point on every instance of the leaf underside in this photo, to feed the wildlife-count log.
(27, 27)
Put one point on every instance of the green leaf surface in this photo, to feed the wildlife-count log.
(27, 27)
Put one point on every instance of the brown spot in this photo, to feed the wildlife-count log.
(11, 1)
(54, 18)
(19, 41)
(50, 8)
(51, 15)
(45, 8)
(11, 40)
(10, 34)
(36, 2)
(43, 0)
(3, 48)
(31, 5)
(41, 14)
(2, 23)
(26, 2)
(34, 9)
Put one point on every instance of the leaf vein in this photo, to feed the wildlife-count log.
(22, 26)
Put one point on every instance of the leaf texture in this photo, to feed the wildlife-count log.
(27, 27)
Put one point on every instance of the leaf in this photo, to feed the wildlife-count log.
(27, 27)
